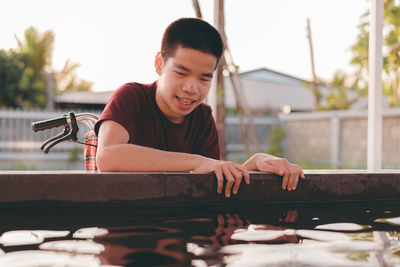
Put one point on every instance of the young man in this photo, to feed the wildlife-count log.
(165, 126)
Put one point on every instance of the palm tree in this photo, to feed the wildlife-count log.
(38, 50)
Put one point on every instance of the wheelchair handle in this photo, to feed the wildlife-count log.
(48, 124)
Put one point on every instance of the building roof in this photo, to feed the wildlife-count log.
(84, 97)
(261, 74)
(268, 75)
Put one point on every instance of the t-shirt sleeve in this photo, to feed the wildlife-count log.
(123, 108)
(208, 142)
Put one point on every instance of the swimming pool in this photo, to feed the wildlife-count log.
(157, 219)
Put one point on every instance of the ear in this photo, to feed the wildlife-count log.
(158, 63)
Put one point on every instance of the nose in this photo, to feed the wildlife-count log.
(191, 87)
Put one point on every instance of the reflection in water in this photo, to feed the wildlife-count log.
(21, 237)
(34, 258)
(395, 220)
(315, 254)
(89, 233)
(28, 237)
(342, 227)
(224, 236)
(76, 246)
(321, 235)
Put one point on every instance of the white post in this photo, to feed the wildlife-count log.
(375, 87)
(212, 95)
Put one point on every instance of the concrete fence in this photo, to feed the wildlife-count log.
(339, 138)
(335, 138)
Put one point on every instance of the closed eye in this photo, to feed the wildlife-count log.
(180, 73)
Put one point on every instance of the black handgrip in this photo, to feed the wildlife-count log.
(48, 124)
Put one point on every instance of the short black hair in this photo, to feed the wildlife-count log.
(191, 33)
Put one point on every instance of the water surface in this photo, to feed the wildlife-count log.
(342, 234)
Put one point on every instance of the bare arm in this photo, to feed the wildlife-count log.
(115, 154)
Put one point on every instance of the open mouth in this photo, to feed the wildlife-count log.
(185, 101)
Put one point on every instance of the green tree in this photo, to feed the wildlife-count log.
(12, 66)
(23, 71)
(276, 136)
(66, 80)
(340, 88)
(38, 49)
(391, 62)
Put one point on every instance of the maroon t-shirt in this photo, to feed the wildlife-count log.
(134, 106)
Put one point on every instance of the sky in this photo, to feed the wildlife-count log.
(116, 41)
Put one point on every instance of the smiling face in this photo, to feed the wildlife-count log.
(184, 82)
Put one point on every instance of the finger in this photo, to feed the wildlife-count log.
(299, 173)
(298, 169)
(285, 180)
(295, 182)
(220, 180)
(238, 178)
(229, 180)
(245, 173)
(302, 174)
(235, 171)
(293, 176)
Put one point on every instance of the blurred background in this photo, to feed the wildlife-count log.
(294, 81)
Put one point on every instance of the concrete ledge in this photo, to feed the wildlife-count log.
(181, 189)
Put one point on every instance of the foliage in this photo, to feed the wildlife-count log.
(74, 155)
(276, 136)
(340, 89)
(67, 80)
(391, 61)
(23, 72)
(15, 77)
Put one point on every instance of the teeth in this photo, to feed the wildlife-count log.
(184, 101)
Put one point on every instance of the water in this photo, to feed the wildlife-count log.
(345, 234)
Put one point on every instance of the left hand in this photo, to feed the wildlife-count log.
(290, 172)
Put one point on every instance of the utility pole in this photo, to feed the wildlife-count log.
(214, 97)
(197, 9)
(50, 91)
(219, 23)
(315, 90)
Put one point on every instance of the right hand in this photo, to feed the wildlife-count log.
(232, 172)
